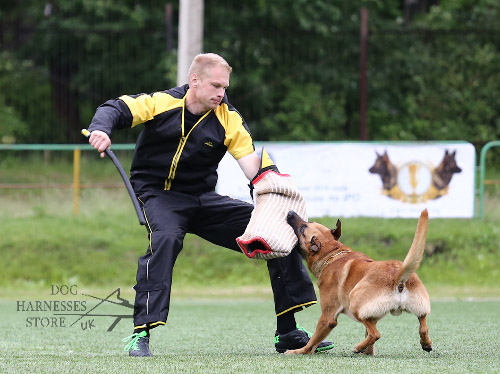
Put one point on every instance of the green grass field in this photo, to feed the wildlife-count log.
(44, 243)
(222, 316)
(224, 335)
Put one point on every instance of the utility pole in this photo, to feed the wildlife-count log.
(169, 26)
(363, 133)
(190, 36)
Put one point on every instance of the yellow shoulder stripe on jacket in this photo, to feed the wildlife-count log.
(146, 107)
(238, 140)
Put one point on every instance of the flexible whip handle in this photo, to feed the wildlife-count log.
(130, 190)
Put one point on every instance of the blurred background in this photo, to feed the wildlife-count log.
(432, 67)
(366, 73)
(303, 70)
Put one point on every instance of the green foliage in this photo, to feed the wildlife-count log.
(23, 99)
(301, 69)
(11, 125)
(320, 115)
(83, 53)
(449, 92)
(296, 66)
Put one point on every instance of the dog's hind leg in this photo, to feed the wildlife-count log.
(369, 350)
(425, 341)
(372, 335)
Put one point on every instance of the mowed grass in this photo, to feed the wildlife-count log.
(44, 243)
(222, 315)
(236, 336)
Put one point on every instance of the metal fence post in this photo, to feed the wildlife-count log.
(482, 162)
(76, 180)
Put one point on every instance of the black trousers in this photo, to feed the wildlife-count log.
(220, 220)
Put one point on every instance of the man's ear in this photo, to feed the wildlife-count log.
(315, 245)
(338, 230)
(194, 80)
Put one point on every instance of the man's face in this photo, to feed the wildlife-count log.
(211, 86)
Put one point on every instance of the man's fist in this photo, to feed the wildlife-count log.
(100, 141)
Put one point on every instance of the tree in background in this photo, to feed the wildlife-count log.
(432, 69)
(433, 66)
(440, 80)
(84, 52)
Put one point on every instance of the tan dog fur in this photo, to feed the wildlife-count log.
(366, 290)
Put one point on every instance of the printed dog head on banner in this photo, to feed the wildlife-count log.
(415, 182)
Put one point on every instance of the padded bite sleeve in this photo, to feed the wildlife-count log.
(268, 235)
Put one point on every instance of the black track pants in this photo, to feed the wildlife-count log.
(220, 220)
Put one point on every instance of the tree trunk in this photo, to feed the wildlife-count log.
(66, 103)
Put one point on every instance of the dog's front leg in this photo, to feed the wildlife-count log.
(323, 328)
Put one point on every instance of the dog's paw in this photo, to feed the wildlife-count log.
(366, 351)
(300, 351)
(369, 351)
(427, 348)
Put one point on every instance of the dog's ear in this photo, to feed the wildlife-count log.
(315, 244)
(338, 230)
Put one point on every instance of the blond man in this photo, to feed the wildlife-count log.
(186, 132)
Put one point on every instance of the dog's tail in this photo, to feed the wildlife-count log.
(414, 256)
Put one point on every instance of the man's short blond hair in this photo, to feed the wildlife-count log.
(204, 61)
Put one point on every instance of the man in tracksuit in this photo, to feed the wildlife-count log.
(187, 131)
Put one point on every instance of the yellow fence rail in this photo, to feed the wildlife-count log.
(76, 149)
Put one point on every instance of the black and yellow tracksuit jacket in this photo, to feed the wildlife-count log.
(182, 156)
(169, 155)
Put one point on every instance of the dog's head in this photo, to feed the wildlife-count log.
(313, 237)
(449, 163)
(443, 173)
(386, 169)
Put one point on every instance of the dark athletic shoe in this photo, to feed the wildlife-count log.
(137, 344)
(296, 339)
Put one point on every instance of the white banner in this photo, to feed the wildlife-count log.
(389, 179)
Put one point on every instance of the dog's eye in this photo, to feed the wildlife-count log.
(302, 229)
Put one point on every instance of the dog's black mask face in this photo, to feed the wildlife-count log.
(312, 236)
(449, 163)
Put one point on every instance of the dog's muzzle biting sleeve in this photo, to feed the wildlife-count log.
(268, 235)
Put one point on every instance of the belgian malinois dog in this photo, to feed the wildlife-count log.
(350, 282)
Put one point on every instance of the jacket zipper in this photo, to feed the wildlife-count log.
(180, 147)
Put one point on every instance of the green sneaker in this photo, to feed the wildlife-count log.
(296, 339)
(137, 344)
